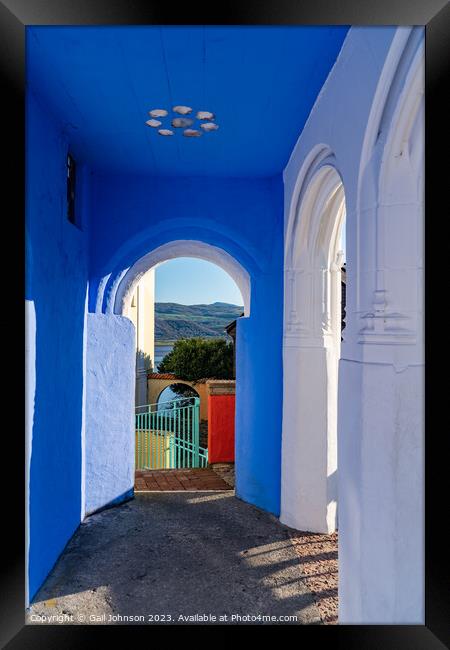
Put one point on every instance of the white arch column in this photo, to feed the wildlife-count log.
(311, 354)
(370, 114)
(381, 418)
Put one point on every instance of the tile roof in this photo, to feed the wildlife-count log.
(171, 376)
(163, 375)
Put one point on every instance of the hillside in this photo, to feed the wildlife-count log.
(174, 321)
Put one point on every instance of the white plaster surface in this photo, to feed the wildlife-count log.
(109, 430)
(30, 382)
(381, 512)
(367, 123)
(141, 312)
(306, 491)
(311, 353)
(83, 413)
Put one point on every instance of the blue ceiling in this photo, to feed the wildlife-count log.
(261, 83)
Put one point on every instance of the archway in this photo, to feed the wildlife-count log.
(117, 290)
(170, 392)
(193, 302)
(312, 337)
(114, 291)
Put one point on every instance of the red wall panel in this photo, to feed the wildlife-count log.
(221, 410)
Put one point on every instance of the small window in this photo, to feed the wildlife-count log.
(71, 186)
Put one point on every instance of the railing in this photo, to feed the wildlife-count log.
(167, 435)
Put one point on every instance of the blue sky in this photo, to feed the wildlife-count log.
(191, 281)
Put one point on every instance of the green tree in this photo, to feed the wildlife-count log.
(199, 358)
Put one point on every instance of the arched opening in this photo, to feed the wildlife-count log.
(110, 423)
(121, 286)
(315, 270)
(187, 313)
(170, 426)
(176, 391)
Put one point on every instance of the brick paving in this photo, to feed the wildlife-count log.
(170, 480)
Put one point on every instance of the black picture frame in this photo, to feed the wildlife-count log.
(15, 15)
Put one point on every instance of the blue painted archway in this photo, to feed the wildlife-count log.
(89, 91)
(253, 257)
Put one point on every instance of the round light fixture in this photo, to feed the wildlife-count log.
(182, 110)
(209, 126)
(192, 133)
(182, 122)
(158, 112)
(205, 118)
(205, 115)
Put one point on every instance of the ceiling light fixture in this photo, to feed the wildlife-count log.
(182, 122)
(182, 110)
(192, 133)
(209, 126)
(158, 112)
(205, 115)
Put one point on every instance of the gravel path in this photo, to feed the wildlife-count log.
(319, 563)
(175, 555)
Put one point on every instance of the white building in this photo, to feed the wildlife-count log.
(141, 312)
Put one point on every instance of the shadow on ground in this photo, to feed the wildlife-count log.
(172, 555)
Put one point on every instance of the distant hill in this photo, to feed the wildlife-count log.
(174, 321)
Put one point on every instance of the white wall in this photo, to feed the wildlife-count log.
(30, 381)
(141, 312)
(311, 353)
(367, 124)
(109, 430)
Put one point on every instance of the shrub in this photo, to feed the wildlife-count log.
(199, 358)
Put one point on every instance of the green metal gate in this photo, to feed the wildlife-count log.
(167, 435)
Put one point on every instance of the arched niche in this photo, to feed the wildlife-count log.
(312, 333)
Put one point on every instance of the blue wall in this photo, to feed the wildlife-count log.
(132, 215)
(259, 395)
(96, 87)
(136, 214)
(56, 282)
